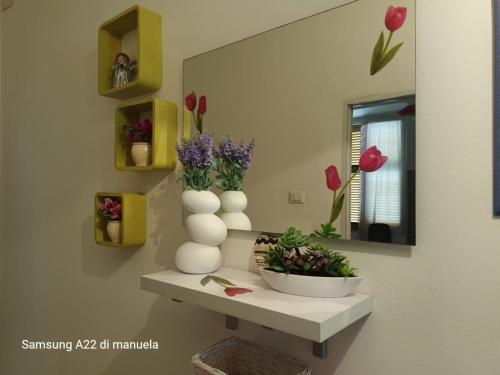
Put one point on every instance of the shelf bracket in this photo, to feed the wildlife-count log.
(320, 349)
(231, 322)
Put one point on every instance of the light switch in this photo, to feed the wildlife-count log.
(296, 197)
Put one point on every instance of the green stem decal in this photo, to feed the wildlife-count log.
(218, 280)
(388, 42)
(338, 199)
(382, 55)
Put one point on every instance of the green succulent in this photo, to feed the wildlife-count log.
(316, 260)
(326, 231)
(275, 259)
(293, 239)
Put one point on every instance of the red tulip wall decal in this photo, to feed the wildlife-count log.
(395, 18)
(333, 180)
(229, 288)
(370, 161)
(190, 102)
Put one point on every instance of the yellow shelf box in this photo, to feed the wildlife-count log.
(135, 23)
(134, 220)
(163, 115)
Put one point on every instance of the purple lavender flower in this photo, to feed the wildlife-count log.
(232, 161)
(197, 157)
(231, 152)
(196, 152)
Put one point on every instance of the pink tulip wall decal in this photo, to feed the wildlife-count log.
(395, 18)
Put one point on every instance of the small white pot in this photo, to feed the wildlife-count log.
(114, 230)
(233, 203)
(310, 286)
(200, 202)
(195, 258)
(206, 229)
(141, 153)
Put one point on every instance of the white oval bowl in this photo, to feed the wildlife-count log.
(310, 286)
(207, 229)
(200, 202)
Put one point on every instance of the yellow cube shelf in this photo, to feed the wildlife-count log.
(149, 55)
(163, 115)
(134, 220)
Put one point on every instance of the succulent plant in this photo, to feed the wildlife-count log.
(326, 231)
(316, 260)
(293, 239)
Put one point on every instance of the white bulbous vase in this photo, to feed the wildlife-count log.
(233, 203)
(114, 230)
(207, 231)
(195, 258)
(141, 153)
(200, 202)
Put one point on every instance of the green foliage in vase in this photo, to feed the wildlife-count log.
(326, 231)
(316, 260)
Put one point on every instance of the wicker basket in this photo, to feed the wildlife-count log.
(235, 356)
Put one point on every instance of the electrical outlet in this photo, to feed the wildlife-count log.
(7, 4)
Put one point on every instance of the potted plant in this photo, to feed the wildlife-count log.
(297, 266)
(111, 210)
(207, 230)
(140, 134)
(232, 160)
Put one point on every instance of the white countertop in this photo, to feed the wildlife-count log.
(315, 319)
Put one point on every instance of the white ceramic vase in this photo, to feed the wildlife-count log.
(114, 230)
(310, 286)
(233, 203)
(207, 231)
(141, 153)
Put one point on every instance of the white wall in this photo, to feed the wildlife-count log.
(437, 307)
(2, 195)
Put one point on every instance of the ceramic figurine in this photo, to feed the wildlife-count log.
(123, 69)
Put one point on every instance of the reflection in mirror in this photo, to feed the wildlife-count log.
(382, 204)
(300, 91)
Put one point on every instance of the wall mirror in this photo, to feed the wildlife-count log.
(315, 93)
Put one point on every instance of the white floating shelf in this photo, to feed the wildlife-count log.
(314, 319)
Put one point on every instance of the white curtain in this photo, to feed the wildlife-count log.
(382, 192)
